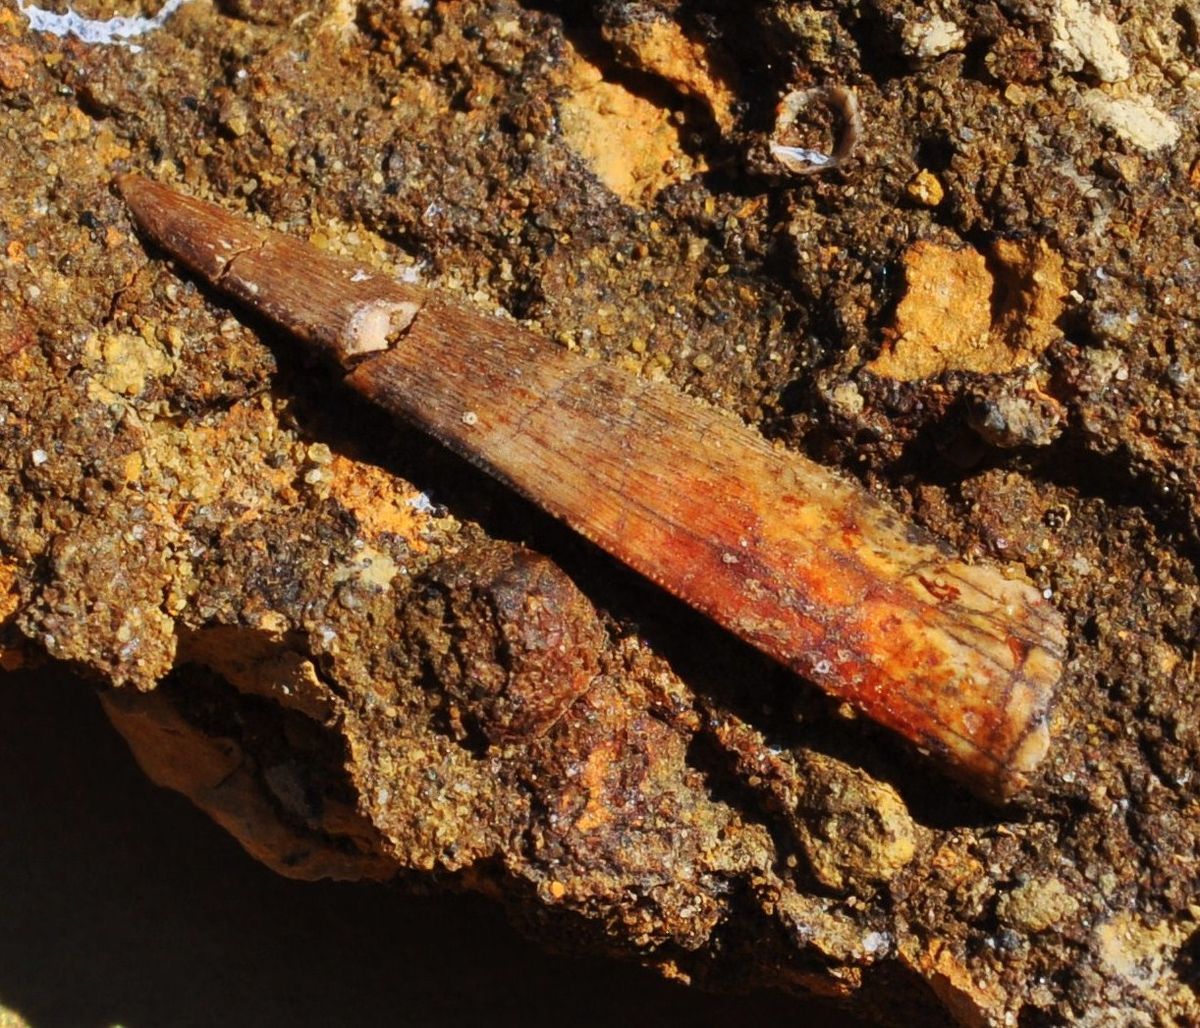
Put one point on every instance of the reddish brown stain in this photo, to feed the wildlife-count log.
(1019, 648)
(944, 592)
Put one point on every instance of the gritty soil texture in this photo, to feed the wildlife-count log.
(368, 661)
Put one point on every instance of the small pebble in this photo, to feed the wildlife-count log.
(925, 188)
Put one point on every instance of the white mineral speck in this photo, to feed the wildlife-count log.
(39, 457)
(932, 38)
(875, 942)
(800, 158)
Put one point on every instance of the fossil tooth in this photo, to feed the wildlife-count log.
(961, 659)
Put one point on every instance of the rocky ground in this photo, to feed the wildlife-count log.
(327, 632)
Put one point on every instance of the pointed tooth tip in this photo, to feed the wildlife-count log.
(129, 182)
(140, 194)
(146, 198)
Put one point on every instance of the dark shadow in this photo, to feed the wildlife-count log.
(122, 904)
(1187, 963)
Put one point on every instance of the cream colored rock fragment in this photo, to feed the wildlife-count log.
(123, 362)
(1134, 118)
(1085, 37)
(932, 38)
(925, 188)
(370, 569)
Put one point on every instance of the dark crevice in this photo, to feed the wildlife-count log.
(1068, 463)
(874, 35)
(270, 737)
(1109, 478)
(726, 786)
(1187, 961)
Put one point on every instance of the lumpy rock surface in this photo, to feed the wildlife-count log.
(368, 661)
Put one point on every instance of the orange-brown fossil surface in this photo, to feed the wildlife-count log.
(921, 428)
